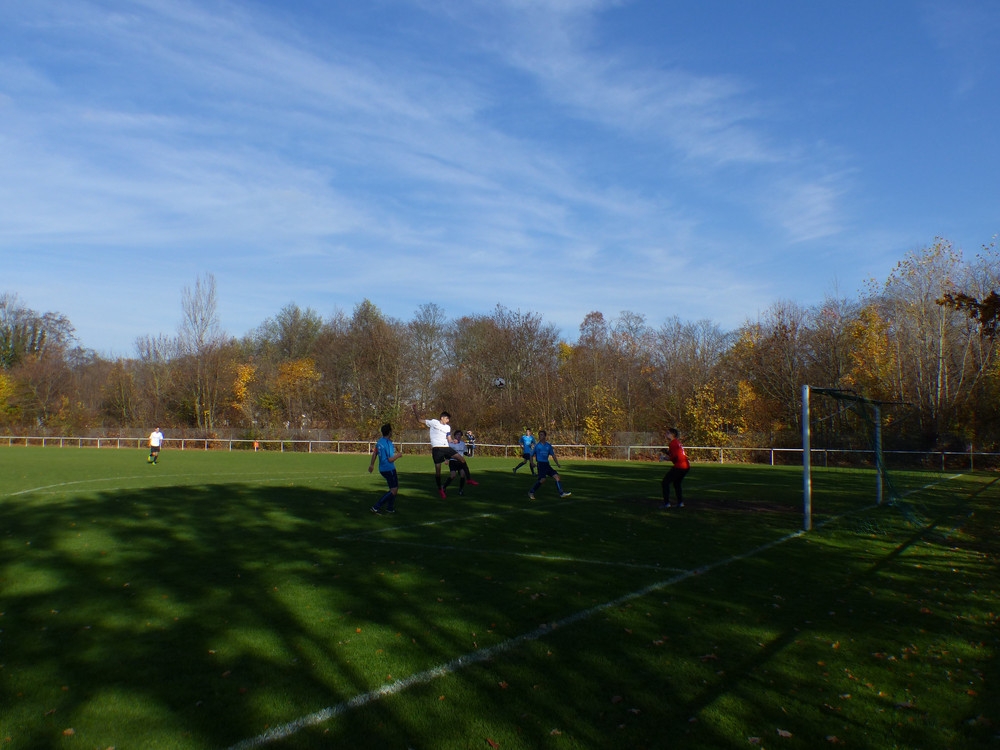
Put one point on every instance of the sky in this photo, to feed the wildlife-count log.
(700, 160)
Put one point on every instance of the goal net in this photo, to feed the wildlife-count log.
(842, 444)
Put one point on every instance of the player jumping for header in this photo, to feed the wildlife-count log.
(441, 450)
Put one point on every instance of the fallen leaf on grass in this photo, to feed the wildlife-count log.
(784, 733)
(709, 657)
(616, 699)
(753, 740)
(555, 732)
(492, 744)
(503, 685)
(833, 739)
(69, 732)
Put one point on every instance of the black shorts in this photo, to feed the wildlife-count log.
(443, 454)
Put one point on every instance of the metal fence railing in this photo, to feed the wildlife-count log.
(825, 457)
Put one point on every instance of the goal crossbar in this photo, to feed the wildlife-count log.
(842, 395)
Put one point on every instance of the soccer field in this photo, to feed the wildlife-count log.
(239, 600)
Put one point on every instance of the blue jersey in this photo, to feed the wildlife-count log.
(527, 442)
(543, 451)
(386, 450)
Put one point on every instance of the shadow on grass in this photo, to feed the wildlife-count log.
(195, 616)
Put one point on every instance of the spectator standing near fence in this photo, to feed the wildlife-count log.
(676, 455)
(387, 456)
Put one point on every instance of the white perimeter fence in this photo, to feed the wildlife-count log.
(826, 457)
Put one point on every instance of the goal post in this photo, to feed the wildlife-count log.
(870, 412)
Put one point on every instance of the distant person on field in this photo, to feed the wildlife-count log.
(386, 454)
(456, 465)
(527, 441)
(155, 441)
(441, 450)
(544, 450)
(676, 455)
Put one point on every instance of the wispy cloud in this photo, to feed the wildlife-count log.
(969, 34)
(516, 145)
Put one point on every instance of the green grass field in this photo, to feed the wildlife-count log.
(241, 600)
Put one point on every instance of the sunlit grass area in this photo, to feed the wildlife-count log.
(223, 600)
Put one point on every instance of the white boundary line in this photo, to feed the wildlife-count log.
(264, 478)
(529, 555)
(457, 519)
(484, 654)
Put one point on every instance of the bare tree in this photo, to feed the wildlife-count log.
(427, 343)
(154, 378)
(201, 344)
(375, 344)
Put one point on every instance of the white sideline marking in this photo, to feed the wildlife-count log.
(932, 484)
(264, 478)
(483, 654)
(457, 519)
(529, 555)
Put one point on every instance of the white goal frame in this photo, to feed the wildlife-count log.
(807, 450)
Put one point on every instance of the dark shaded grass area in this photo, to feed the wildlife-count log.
(226, 595)
(879, 643)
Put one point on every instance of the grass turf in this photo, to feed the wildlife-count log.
(218, 597)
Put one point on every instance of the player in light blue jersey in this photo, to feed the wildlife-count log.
(386, 454)
(544, 451)
(527, 441)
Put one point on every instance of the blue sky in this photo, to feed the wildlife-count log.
(699, 159)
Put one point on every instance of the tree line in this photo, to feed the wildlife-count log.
(922, 341)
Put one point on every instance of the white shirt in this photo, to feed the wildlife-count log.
(438, 433)
(155, 439)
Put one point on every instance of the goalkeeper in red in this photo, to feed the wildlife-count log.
(676, 455)
(544, 450)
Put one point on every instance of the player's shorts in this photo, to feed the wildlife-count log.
(443, 454)
(391, 478)
(154, 450)
(526, 455)
(545, 470)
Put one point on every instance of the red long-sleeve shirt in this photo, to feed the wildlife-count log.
(675, 452)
